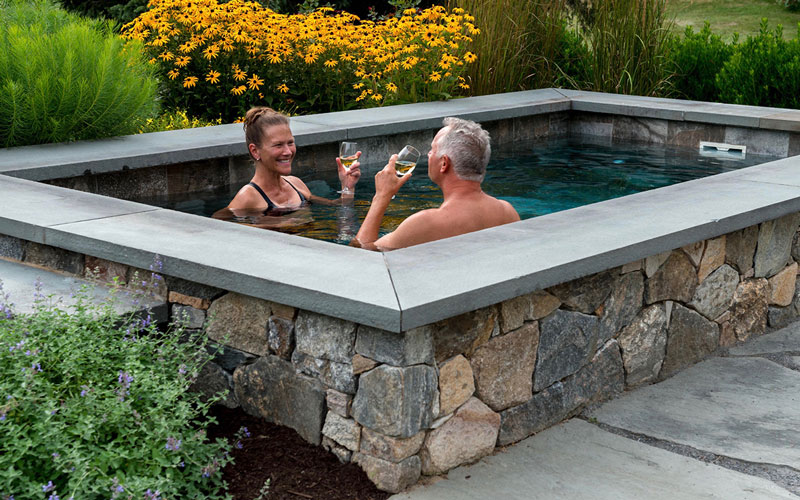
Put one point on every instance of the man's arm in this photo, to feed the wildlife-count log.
(386, 186)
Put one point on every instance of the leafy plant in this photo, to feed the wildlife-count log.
(175, 120)
(65, 78)
(94, 405)
(698, 57)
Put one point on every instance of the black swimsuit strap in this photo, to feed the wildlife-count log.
(302, 198)
(270, 205)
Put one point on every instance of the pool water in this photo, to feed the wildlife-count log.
(537, 179)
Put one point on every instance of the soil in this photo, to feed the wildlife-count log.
(296, 470)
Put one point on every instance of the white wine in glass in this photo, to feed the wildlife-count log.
(406, 161)
(348, 154)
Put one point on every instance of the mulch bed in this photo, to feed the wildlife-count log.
(296, 469)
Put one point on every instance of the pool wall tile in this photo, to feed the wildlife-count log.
(645, 130)
(197, 176)
(133, 184)
(531, 128)
(240, 169)
(766, 142)
(594, 124)
(794, 144)
(690, 134)
(85, 183)
(559, 125)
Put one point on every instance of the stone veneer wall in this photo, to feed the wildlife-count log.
(445, 394)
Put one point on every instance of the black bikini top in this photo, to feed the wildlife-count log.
(271, 206)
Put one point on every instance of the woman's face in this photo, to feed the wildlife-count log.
(277, 149)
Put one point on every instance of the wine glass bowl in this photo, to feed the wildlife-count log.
(348, 154)
(406, 160)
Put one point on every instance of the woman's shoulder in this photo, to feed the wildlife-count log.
(298, 184)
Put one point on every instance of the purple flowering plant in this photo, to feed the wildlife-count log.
(85, 412)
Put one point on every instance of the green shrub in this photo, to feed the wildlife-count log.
(121, 11)
(64, 78)
(95, 406)
(763, 71)
(175, 120)
(698, 57)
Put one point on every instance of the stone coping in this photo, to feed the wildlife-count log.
(411, 287)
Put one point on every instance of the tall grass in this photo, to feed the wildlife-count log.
(629, 47)
(519, 45)
(65, 78)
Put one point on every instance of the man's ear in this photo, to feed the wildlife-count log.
(446, 164)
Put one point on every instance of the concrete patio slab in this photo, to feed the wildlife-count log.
(784, 340)
(577, 460)
(743, 408)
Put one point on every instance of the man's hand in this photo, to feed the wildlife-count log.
(349, 177)
(387, 183)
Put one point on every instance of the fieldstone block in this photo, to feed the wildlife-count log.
(390, 476)
(622, 305)
(193, 289)
(456, 384)
(280, 336)
(148, 282)
(325, 337)
(694, 251)
(782, 285)
(336, 375)
(543, 304)
(503, 368)
(690, 338)
(713, 257)
(213, 380)
(362, 364)
(339, 451)
(344, 431)
(270, 388)
(567, 341)
(11, 247)
(585, 294)
(339, 402)
(462, 334)
(54, 258)
(741, 248)
(514, 312)
(396, 401)
(240, 322)
(774, 246)
(188, 316)
(390, 448)
(643, 344)
(750, 306)
(227, 357)
(399, 349)
(601, 379)
(795, 246)
(654, 262)
(187, 300)
(630, 267)
(104, 270)
(468, 436)
(778, 317)
(676, 279)
(715, 294)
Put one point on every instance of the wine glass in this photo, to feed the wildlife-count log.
(406, 160)
(348, 154)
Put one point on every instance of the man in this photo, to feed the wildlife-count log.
(457, 164)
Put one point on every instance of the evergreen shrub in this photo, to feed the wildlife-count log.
(698, 57)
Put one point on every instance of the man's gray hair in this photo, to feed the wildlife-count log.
(468, 146)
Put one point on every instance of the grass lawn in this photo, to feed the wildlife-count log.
(730, 16)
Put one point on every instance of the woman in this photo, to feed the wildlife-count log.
(273, 191)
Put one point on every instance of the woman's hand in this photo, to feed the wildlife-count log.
(349, 177)
(387, 183)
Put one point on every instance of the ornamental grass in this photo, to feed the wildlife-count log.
(219, 59)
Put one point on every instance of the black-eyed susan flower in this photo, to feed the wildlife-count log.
(189, 82)
(282, 88)
(182, 61)
(213, 77)
(470, 57)
(255, 82)
(173, 74)
(238, 90)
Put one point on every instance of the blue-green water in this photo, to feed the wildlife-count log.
(536, 179)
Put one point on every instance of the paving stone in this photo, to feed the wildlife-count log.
(325, 337)
(774, 246)
(390, 448)
(622, 305)
(399, 349)
(213, 380)
(750, 306)
(468, 436)
(603, 378)
(514, 312)
(715, 294)
(785, 340)
(389, 476)
(344, 431)
(280, 336)
(240, 322)
(543, 304)
(643, 344)
(462, 334)
(456, 384)
(585, 294)
(782, 285)
(188, 316)
(740, 248)
(339, 402)
(396, 401)
(362, 364)
(713, 257)
(270, 388)
(503, 367)
(676, 279)
(567, 341)
(690, 338)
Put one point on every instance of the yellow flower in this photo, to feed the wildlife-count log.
(182, 61)
(255, 82)
(391, 87)
(358, 85)
(173, 74)
(376, 97)
(274, 58)
(211, 52)
(212, 77)
(166, 56)
(238, 90)
(310, 58)
(331, 63)
(189, 82)
(239, 75)
(362, 96)
(435, 76)
(470, 57)
(282, 88)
